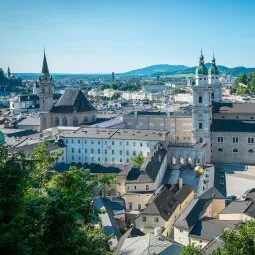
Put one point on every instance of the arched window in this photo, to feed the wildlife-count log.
(200, 100)
(220, 150)
(250, 150)
(64, 121)
(235, 150)
(75, 121)
(200, 139)
(56, 121)
(86, 119)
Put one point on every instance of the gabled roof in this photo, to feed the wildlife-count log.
(150, 167)
(236, 207)
(208, 228)
(165, 203)
(192, 213)
(73, 100)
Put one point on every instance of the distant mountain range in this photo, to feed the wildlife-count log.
(162, 69)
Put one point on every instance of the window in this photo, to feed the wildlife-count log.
(79, 141)
(237, 117)
(148, 144)
(250, 150)
(144, 218)
(134, 153)
(79, 150)
(127, 152)
(72, 141)
(135, 187)
(98, 151)
(105, 160)
(66, 141)
(200, 125)
(139, 207)
(85, 150)
(127, 187)
(252, 118)
(220, 139)
(92, 150)
(220, 150)
(92, 159)
(156, 219)
(235, 150)
(120, 152)
(200, 139)
(105, 151)
(141, 144)
(98, 158)
(120, 143)
(127, 160)
(200, 100)
(98, 142)
(235, 139)
(130, 206)
(85, 141)
(133, 143)
(105, 142)
(112, 142)
(92, 142)
(147, 187)
(127, 143)
(250, 140)
(112, 152)
(120, 160)
(212, 95)
(72, 158)
(112, 160)
(72, 150)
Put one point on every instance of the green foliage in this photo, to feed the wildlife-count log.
(138, 160)
(178, 91)
(191, 250)
(121, 86)
(46, 212)
(245, 84)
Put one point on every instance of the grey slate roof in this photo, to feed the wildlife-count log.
(150, 167)
(208, 228)
(233, 108)
(165, 203)
(229, 125)
(250, 195)
(192, 213)
(236, 207)
(73, 100)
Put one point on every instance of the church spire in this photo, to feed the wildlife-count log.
(45, 69)
(8, 73)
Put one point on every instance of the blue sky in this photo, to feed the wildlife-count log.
(93, 36)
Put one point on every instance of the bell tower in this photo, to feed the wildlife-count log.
(202, 108)
(213, 79)
(45, 84)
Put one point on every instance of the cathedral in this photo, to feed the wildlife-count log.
(72, 109)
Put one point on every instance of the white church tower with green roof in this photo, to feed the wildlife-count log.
(202, 108)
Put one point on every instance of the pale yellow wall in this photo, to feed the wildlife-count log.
(135, 199)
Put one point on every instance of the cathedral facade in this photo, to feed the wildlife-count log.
(72, 109)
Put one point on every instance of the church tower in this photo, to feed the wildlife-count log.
(202, 108)
(213, 79)
(8, 73)
(45, 84)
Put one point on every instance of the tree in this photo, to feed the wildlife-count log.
(51, 211)
(138, 160)
(191, 250)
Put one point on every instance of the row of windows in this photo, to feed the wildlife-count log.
(106, 151)
(146, 187)
(100, 160)
(235, 150)
(112, 142)
(237, 117)
(155, 219)
(235, 139)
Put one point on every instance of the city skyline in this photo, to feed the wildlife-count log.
(104, 37)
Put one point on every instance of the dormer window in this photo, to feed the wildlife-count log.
(200, 100)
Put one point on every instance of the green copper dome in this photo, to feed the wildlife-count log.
(213, 68)
(201, 69)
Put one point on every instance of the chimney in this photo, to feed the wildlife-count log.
(180, 183)
(159, 158)
(158, 231)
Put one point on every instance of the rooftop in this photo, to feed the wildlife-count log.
(246, 108)
(237, 207)
(118, 134)
(73, 100)
(228, 125)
